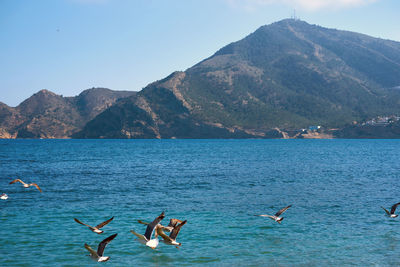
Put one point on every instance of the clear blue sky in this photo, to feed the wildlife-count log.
(67, 46)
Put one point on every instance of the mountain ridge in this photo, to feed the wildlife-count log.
(281, 78)
(48, 115)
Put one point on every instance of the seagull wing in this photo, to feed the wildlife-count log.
(104, 243)
(92, 251)
(104, 223)
(265, 215)
(161, 233)
(78, 221)
(176, 230)
(393, 209)
(165, 228)
(152, 225)
(387, 212)
(143, 222)
(35, 185)
(174, 222)
(17, 180)
(282, 211)
(139, 235)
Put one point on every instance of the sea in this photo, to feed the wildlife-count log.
(336, 189)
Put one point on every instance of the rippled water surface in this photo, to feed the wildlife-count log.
(336, 188)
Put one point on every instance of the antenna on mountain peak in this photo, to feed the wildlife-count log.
(294, 15)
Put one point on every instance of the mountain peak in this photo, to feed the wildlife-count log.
(45, 92)
(290, 21)
(94, 100)
(95, 90)
(285, 23)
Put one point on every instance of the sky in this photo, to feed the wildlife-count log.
(67, 46)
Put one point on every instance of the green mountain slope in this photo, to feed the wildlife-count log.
(288, 75)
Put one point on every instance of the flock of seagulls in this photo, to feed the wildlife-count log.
(155, 229)
(158, 229)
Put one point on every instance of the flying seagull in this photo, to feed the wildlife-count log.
(98, 255)
(95, 229)
(171, 239)
(146, 238)
(392, 211)
(4, 196)
(26, 185)
(168, 228)
(276, 216)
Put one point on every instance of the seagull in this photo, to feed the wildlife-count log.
(276, 216)
(98, 255)
(4, 196)
(392, 211)
(169, 228)
(171, 239)
(146, 238)
(96, 229)
(26, 185)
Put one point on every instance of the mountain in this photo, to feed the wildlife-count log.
(285, 76)
(48, 115)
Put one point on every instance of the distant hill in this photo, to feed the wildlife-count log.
(287, 75)
(48, 115)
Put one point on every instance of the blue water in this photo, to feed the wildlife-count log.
(336, 188)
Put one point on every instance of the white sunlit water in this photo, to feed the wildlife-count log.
(336, 188)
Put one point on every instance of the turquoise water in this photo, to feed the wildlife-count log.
(336, 188)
